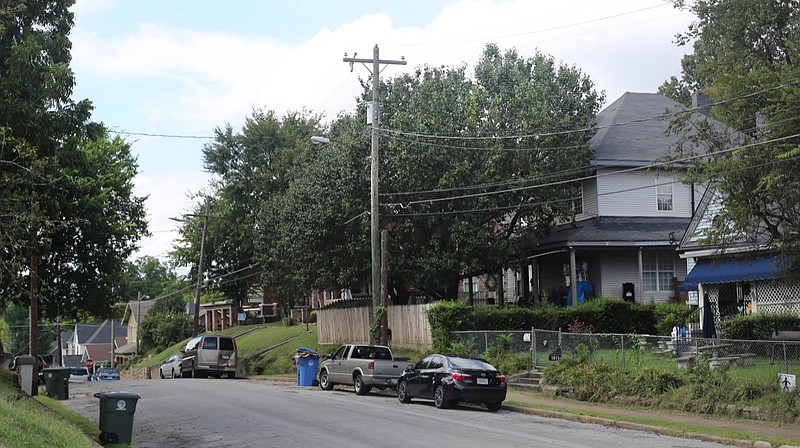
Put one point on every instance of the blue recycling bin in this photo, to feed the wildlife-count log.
(307, 362)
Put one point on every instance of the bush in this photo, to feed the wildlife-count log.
(444, 318)
(757, 326)
(670, 315)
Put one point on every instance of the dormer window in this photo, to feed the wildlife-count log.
(664, 193)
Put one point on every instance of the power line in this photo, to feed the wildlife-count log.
(590, 129)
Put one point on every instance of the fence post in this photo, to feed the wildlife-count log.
(785, 359)
(533, 348)
(622, 345)
(485, 341)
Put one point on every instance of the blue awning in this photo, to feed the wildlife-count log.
(733, 270)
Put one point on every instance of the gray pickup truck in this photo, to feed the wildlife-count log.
(363, 366)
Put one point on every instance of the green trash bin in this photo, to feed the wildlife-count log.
(56, 382)
(116, 416)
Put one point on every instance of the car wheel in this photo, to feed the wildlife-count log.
(494, 407)
(161, 373)
(440, 399)
(325, 381)
(360, 387)
(402, 393)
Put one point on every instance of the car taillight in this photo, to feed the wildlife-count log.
(371, 365)
(460, 376)
(501, 378)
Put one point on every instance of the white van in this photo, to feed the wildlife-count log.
(209, 355)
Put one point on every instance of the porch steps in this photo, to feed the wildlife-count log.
(526, 381)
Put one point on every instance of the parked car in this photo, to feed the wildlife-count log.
(79, 375)
(171, 368)
(105, 374)
(41, 364)
(448, 380)
(209, 355)
(363, 366)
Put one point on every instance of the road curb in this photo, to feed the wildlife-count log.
(627, 425)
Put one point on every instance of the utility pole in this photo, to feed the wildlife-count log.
(34, 296)
(59, 343)
(374, 221)
(196, 325)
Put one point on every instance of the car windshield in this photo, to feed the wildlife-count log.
(470, 364)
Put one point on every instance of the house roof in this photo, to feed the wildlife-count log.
(99, 333)
(137, 309)
(632, 130)
(98, 352)
(614, 232)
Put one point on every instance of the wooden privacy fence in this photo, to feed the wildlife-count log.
(408, 323)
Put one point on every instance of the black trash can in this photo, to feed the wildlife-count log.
(116, 416)
(56, 382)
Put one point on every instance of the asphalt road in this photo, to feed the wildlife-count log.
(244, 413)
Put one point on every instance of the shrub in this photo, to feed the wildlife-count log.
(669, 315)
(757, 326)
(444, 318)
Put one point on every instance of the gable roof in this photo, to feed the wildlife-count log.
(138, 310)
(695, 243)
(99, 333)
(632, 130)
(98, 352)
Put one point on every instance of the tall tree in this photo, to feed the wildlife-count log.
(745, 55)
(68, 193)
(250, 167)
(467, 164)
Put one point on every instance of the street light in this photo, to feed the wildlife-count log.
(375, 239)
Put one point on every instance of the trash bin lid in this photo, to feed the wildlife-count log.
(305, 351)
(117, 395)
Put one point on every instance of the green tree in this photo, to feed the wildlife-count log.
(251, 166)
(67, 185)
(745, 55)
(469, 164)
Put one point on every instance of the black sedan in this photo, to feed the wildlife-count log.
(448, 380)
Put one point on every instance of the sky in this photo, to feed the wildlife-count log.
(165, 74)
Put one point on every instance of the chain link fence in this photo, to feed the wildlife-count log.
(636, 351)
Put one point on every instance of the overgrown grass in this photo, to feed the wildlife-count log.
(749, 390)
(677, 429)
(24, 422)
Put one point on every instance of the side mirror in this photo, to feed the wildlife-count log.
(183, 350)
(329, 356)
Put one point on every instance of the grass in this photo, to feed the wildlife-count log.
(677, 429)
(24, 424)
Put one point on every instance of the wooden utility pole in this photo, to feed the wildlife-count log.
(385, 285)
(196, 326)
(374, 220)
(34, 295)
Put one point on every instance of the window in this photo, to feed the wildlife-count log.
(340, 354)
(474, 284)
(210, 343)
(436, 363)
(658, 269)
(577, 202)
(664, 193)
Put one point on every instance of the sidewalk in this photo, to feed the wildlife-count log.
(565, 408)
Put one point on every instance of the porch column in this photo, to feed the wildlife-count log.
(641, 278)
(573, 277)
(535, 286)
(524, 284)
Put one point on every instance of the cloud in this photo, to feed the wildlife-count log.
(189, 81)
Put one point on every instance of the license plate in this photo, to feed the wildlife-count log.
(224, 356)
(483, 381)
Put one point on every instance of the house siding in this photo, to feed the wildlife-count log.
(623, 267)
(589, 200)
(634, 194)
